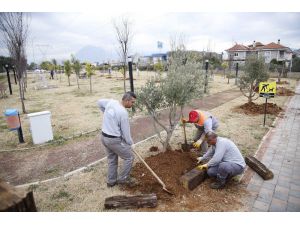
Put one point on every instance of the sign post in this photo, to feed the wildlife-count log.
(267, 90)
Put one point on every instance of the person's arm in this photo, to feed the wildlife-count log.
(125, 130)
(102, 104)
(208, 125)
(210, 152)
(218, 156)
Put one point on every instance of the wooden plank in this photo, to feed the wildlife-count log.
(259, 167)
(193, 178)
(12, 200)
(128, 202)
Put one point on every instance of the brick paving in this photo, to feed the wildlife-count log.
(282, 157)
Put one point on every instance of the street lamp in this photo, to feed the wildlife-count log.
(8, 79)
(206, 73)
(130, 73)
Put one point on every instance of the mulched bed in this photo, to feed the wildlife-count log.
(282, 91)
(170, 166)
(255, 109)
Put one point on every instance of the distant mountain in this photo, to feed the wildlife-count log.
(94, 54)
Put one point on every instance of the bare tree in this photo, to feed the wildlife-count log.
(124, 37)
(14, 27)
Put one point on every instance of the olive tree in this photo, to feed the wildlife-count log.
(68, 70)
(90, 70)
(76, 67)
(255, 71)
(184, 81)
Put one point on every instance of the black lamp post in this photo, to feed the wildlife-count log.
(8, 79)
(14, 70)
(130, 74)
(236, 72)
(206, 73)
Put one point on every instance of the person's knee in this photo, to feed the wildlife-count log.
(224, 167)
(211, 172)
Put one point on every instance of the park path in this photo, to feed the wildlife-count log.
(280, 152)
(34, 165)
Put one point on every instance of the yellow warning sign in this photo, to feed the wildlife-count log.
(267, 89)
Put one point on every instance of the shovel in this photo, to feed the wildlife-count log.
(154, 174)
(185, 146)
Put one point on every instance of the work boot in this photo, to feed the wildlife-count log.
(219, 184)
(129, 182)
(111, 185)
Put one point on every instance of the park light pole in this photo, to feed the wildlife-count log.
(130, 73)
(8, 79)
(206, 73)
(236, 72)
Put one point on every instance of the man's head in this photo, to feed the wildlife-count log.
(211, 138)
(128, 99)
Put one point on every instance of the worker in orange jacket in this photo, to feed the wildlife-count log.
(204, 122)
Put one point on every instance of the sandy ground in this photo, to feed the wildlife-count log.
(73, 110)
(86, 191)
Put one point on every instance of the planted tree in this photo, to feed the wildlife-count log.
(255, 71)
(77, 68)
(14, 28)
(90, 70)
(183, 82)
(224, 66)
(124, 36)
(68, 70)
(158, 68)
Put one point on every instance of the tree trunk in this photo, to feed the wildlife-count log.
(69, 80)
(124, 78)
(128, 202)
(259, 167)
(166, 145)
(77, 81)
(21, 95)
(90, 83)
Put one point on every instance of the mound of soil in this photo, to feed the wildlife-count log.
(170, 166)
(255, 109)
(282, 91)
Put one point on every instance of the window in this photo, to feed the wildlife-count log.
(281, 53)
(236, 54)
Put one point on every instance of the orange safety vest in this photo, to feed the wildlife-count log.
(203, 116)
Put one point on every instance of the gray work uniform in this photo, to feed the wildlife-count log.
(117, 140)
(225, 161)
(210, 125)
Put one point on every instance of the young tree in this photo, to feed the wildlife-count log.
(90, 70)
(68, 70)
(184, 82)
(224, 66)
(124, 37)
(76, 67)
(14, 28)
(255, 71)
(158, 68)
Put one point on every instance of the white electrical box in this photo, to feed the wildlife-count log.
(40, 127)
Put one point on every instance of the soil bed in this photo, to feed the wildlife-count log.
(282, 91)
(255, 109)
(170, 166)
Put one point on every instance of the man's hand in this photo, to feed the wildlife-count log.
(202, 167)
(199, 159)
(183, 120)
(197, 143)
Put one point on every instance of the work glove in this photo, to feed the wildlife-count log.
(199, 159)
(183, 120)
(197, 143)
(202, 167)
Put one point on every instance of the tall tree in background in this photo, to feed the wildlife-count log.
(90, 70)
(124, 37)
(14, 28)
(68, 70)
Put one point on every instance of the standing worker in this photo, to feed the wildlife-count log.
(204, 122)
(116, 137)
(225, 160)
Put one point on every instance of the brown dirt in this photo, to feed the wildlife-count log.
(153, 149)
(282, 82)
(170, 166)
(282, 91)
(255, 109)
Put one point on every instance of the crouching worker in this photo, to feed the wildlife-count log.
(204, 122)
(116, 138)
(225, 160)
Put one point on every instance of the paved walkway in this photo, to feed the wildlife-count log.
(282, 156)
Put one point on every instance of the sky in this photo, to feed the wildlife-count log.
(60, 34)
